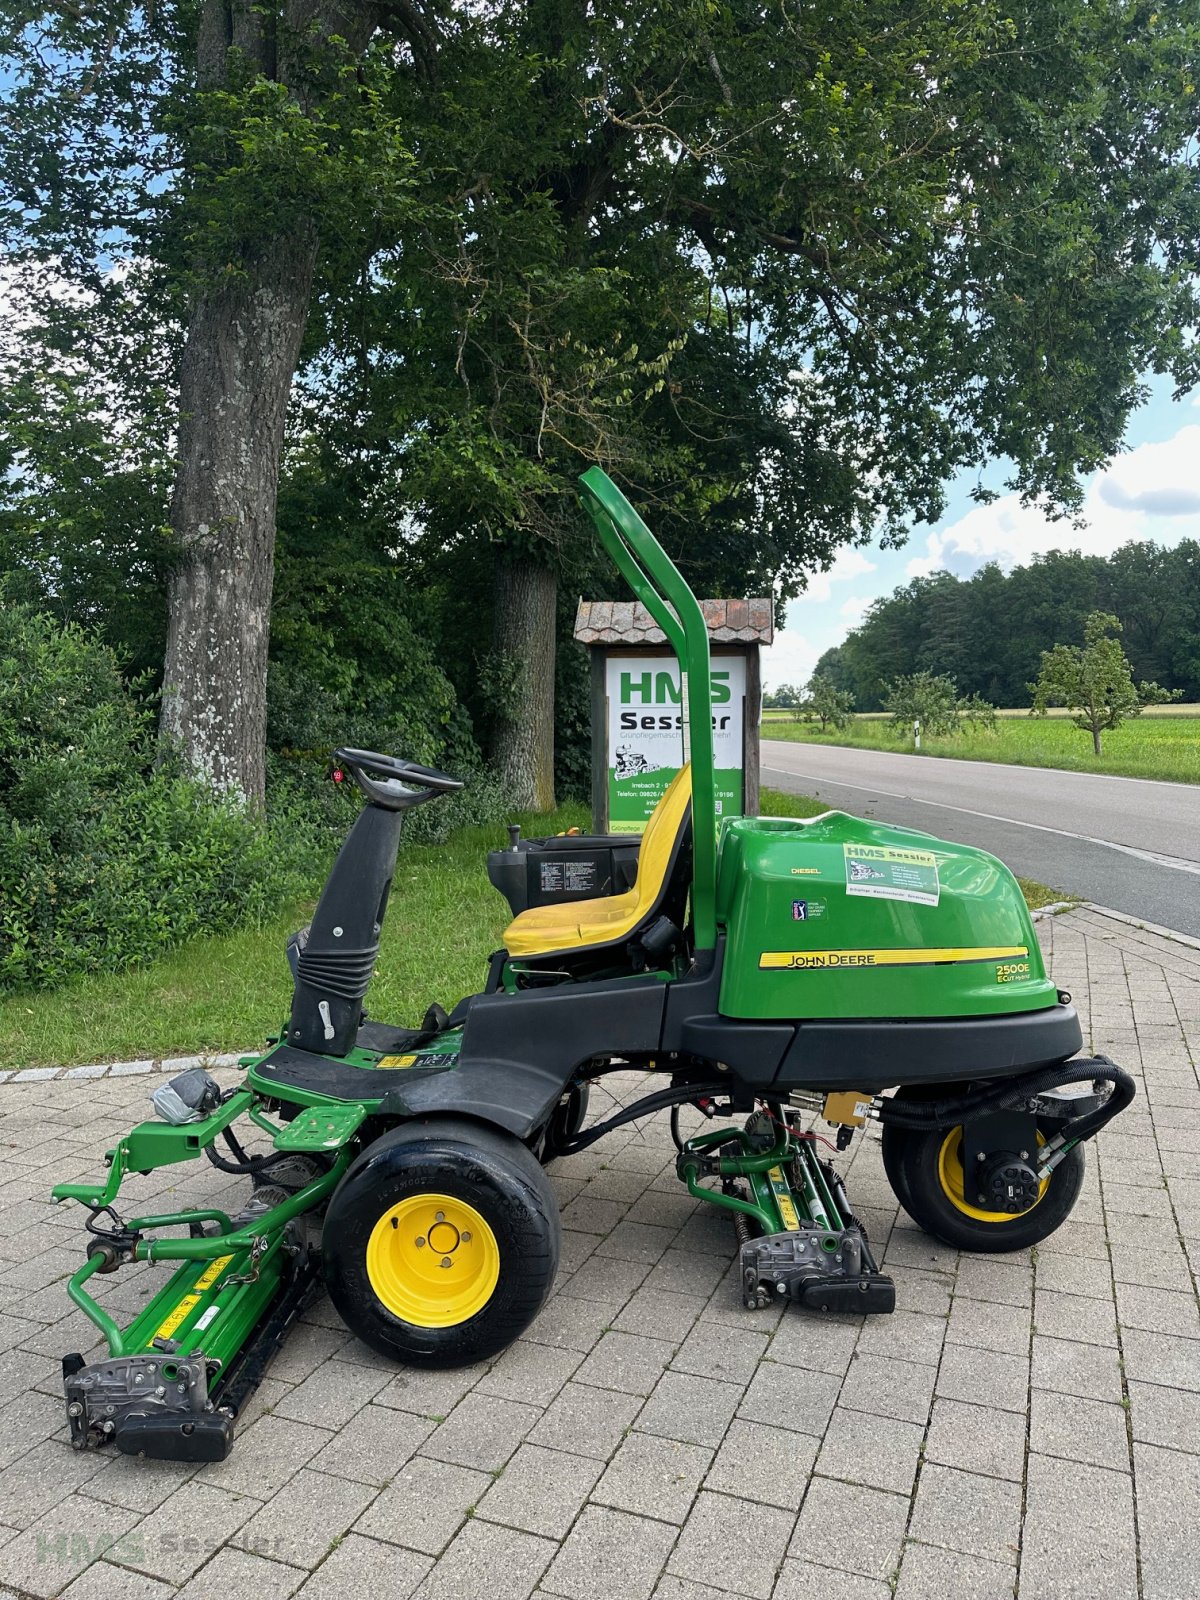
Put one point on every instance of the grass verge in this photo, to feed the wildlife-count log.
(1165, 746)
(228, 993)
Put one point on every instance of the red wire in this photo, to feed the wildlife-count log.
(796, 1133)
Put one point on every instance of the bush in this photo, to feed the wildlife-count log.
(105, 857)
(305, 724)
(316, 813)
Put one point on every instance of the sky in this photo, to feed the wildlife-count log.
(1151, 490)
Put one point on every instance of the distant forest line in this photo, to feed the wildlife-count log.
(988, 631)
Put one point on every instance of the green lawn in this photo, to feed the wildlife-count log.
(227, 993)
(1153, 746)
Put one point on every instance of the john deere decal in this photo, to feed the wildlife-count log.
(910, 956)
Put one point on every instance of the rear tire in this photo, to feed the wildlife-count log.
(441, 1243)
(925, 1172)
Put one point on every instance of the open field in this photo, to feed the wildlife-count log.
(1177, 708)
(1162, 743)
(227, 993)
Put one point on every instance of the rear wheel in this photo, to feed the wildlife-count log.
(925, 1171)
(441, 1243)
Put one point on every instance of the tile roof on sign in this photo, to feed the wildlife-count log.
(627, 622)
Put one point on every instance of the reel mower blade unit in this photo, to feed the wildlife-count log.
(814, 1268)
(798, 1237)
(155, 1405)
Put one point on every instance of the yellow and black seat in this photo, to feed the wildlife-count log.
(660, 890)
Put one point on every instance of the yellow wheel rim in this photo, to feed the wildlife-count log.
(950, 1176)
(433, 1261)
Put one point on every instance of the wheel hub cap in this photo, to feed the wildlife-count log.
(995, 1207)
(433, 1260)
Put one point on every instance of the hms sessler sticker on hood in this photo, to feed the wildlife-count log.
(889, 872)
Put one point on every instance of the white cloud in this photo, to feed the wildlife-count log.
(1161, 479)
(855, 608)
(1004, 531)
(812, 623)
(1151, 492)
(847, 564)
(791, 658)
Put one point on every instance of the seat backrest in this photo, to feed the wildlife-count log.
(662, 841)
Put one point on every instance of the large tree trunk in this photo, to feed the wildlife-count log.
(523, 742)
(243, 342)
(242, 346)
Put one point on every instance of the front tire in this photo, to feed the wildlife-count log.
(566, 1120)
(441, 1243)
(925, 1172)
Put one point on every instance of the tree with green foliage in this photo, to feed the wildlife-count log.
(924, 697)
(822, 334)
(932, 699)
(988, 631)
(1094, 680)
(827, 704)
(229, 156)
(782, 275)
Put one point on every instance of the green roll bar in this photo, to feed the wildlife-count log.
(658, 584)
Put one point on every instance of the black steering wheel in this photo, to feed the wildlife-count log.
(400, 783)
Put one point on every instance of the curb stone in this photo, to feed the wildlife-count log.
(1138, 922)
(1053, 909)
(121, 1069)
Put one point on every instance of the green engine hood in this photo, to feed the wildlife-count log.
(837, 917)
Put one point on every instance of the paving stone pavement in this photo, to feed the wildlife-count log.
(1024, 1425)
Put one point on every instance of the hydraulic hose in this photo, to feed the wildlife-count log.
(661, 1100)
(921, 1115)
(244, 1165)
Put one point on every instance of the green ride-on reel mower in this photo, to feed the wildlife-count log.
(770, 971)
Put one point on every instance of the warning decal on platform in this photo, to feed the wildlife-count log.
(888, 872)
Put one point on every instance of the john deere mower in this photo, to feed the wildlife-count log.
(774, 971)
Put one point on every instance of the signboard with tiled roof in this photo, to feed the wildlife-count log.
(638, 741)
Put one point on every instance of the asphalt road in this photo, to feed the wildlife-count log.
(1129, 843)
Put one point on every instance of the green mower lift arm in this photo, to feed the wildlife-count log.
(658, 584)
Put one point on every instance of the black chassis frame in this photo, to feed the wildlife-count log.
(522, 1052)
